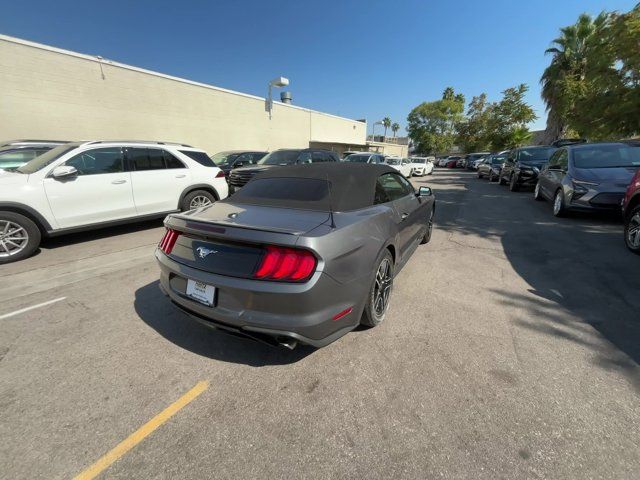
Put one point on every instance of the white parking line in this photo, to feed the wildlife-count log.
(33, 307)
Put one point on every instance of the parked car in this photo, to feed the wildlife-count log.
(588, 176)
(365, 157)
(462, 162)
(442, 161)
(227, 161)
(421, 166)
(453, 161)
(300, 254)
(400, 164)
(522, 166)
(631, 214)
(491, 165)
(239, 177)
(16, 153)
(473, 158)
(84, 185)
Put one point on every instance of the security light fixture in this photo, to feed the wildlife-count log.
(277, 82)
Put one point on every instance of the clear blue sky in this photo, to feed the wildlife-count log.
(360, 59)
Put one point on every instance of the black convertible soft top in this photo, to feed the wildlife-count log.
(330, 186)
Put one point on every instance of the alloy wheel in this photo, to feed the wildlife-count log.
(200, 201)
(557, 203)
(633, 232)
(13, 238)
(382, 287)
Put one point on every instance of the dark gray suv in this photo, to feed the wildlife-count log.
(589, 176)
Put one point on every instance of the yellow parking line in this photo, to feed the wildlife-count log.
(143, 432)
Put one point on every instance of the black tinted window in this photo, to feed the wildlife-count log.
(535, 154)
(200, 157)
(171, 161)
(98, 161)
(258, 156)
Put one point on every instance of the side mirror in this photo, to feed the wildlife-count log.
(64, 172)
(425, 192)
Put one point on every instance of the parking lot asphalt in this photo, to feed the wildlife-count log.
(510, 350)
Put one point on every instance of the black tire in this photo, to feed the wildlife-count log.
(427, 235)
(491, 177)
(513, 183)
(25, 247)
(536, 192)
(561, 209)
(372, 316)
(632, 220)
(479, 174)
(190, 199)
(501, 180)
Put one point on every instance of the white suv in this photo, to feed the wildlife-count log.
(87, 185)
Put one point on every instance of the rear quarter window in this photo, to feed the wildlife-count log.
(199, 157)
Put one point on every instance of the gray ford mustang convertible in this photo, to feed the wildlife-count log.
(301, 254)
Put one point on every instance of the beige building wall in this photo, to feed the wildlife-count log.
(48, 93)
(391, 149)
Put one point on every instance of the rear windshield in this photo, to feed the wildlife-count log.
(418, 160)
(606, 156)
(305, 193)
(499, 159)
(200, 157)
(535, 154)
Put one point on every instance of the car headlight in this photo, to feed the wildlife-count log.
(580, 188)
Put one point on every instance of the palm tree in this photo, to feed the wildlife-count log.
(394, 128)
(386, 123)
(569, 52)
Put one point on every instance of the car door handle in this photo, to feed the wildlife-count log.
(180, 176)
(404, 216)
(118, 182)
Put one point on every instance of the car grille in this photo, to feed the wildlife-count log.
(240, 179)
(607, 200)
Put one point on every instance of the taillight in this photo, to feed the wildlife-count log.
(169, 240)
(286, 264)
(220, 174)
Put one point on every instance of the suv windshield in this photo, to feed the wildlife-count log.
(46, 158)
(357, 158)
(280, 157)
(498, 159)
(223, 158)
(607, 156)
(418, 160)
(535, 154)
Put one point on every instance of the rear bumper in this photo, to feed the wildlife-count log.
(268, 311)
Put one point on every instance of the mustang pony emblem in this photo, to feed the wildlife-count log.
(204, 252)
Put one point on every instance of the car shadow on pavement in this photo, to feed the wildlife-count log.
(584, 282)
(155, 309)
(100, 233)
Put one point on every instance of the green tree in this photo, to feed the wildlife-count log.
(386, 123)
(508, 119)
(607, 99)
(432, 125)
(473, 134)
(562, 81)
(394, 128)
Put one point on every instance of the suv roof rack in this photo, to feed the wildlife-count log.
(148, 142)
(10, 142)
